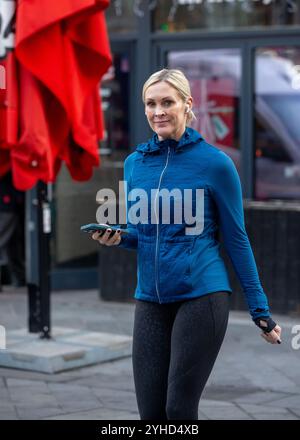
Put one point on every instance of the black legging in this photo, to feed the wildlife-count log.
(175, 346)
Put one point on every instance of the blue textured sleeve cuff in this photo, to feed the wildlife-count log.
(129, 241)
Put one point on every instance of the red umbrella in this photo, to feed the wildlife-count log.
(50, 110)
(54, 54)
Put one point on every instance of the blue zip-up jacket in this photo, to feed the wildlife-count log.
(174, 265)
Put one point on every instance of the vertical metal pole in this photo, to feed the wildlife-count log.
(38, 228)
(32, 260)
(44, 223)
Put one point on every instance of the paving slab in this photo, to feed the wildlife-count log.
(98, 414)
(292, 401)
(219, 411)
(261, 398)
(251, 380)
(69, 348)
(282, 416)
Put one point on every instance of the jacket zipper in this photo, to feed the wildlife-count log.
(157, 227)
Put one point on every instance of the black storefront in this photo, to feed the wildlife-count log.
(243, 61)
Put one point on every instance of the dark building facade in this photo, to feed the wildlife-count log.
(242, 58)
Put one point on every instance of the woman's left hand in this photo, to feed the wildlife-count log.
(274, 336)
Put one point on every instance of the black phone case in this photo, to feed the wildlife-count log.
(89, 229)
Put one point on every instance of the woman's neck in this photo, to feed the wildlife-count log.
(176, 136)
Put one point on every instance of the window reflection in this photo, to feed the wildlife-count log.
(115, 104)
(182, 15)
(120, 16)
(214, 76)
(277, 128)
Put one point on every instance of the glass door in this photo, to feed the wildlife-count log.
(247, 100)
(276, 117)
(215, 79)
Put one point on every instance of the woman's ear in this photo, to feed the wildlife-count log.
(189, 102)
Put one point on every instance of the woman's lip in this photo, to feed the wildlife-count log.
(160, 122)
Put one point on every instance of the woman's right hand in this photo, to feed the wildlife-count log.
(104, 239)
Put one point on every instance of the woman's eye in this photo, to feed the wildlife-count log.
(166, 103)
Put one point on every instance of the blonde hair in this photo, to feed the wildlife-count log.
(176, 79)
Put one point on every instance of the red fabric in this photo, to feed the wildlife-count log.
(41, 125)
(8, 109)
(9, 102)
(63, 51)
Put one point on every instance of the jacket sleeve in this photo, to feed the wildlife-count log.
(227, 193)
(129, 241)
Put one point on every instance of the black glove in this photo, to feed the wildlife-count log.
(267, 324)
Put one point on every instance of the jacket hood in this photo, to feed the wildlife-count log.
(190, 136)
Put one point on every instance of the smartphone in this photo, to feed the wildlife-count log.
(101, 227)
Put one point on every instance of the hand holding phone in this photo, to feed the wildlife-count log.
(91, 228)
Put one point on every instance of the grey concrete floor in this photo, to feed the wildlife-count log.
(251, 380)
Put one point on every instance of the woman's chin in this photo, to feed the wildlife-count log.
(163, 134)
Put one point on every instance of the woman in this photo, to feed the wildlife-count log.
(182, 293)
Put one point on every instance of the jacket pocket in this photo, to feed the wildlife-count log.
(174, 271)
(146, 268)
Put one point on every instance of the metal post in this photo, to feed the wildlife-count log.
(38, 228)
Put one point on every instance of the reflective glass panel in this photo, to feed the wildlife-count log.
(183, 15)
(120, 16)
(277, 126)
(214, 76)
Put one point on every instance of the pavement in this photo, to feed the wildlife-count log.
(251, 380)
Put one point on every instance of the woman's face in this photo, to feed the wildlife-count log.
(166, 111)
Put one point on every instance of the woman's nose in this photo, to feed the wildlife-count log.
(159, 111)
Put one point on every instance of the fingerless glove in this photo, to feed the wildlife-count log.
(267, 324)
